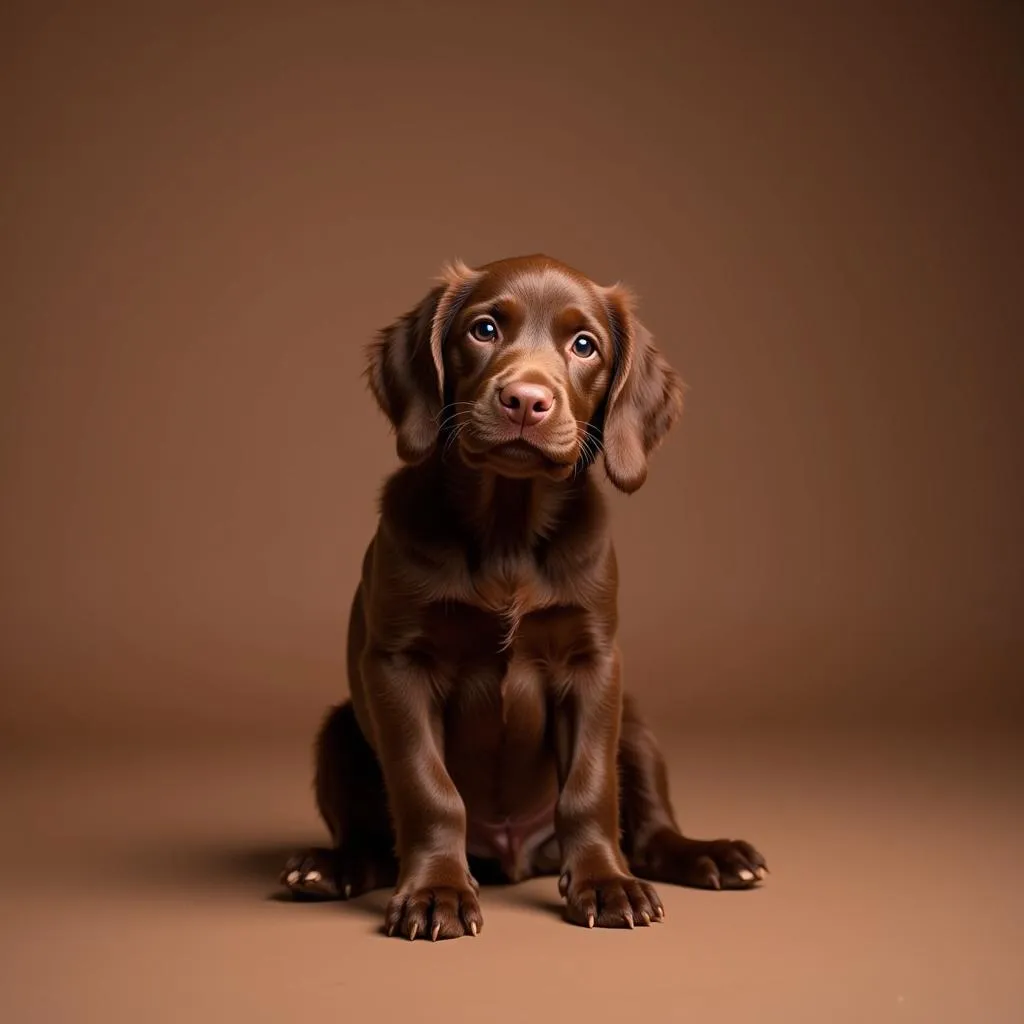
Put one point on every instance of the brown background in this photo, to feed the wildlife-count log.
(205, 212)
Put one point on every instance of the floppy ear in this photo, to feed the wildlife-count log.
(405, 367)
(645, 397)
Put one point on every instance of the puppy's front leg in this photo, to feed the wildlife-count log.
(436, 895)
(595, 880)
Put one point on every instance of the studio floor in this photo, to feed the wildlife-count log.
(140, 886)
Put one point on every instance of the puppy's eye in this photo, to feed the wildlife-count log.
(583, 345)
(484, 329)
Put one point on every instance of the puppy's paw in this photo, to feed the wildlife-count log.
(703, 863)
(311, 875)
(617, 901)
(434, 912)
(339, 874)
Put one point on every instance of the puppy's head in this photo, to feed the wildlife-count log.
(526, 367)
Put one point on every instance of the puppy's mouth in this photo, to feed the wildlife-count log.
(518, 458)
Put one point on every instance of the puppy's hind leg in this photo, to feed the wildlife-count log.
(652, 841)
(351, 798)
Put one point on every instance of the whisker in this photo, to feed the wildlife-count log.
(452, 405)
(453, 433)
(590, 445)
(452, 437)
(454, 418)
(589, 437)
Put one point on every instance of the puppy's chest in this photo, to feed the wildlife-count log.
(489, 610)
(482, 610)
(511, 589)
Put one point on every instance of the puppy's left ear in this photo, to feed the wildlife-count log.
(644, 400)
(405, 363)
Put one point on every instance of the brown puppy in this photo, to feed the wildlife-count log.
(487, 721)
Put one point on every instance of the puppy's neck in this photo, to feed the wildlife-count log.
(506, 513)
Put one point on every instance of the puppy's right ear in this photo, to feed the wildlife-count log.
(405, 367)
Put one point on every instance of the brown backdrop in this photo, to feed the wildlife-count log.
(207, 211)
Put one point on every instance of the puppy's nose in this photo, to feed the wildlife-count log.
(526, 404)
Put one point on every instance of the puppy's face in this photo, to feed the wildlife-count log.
(527, 361)
(526, 367)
